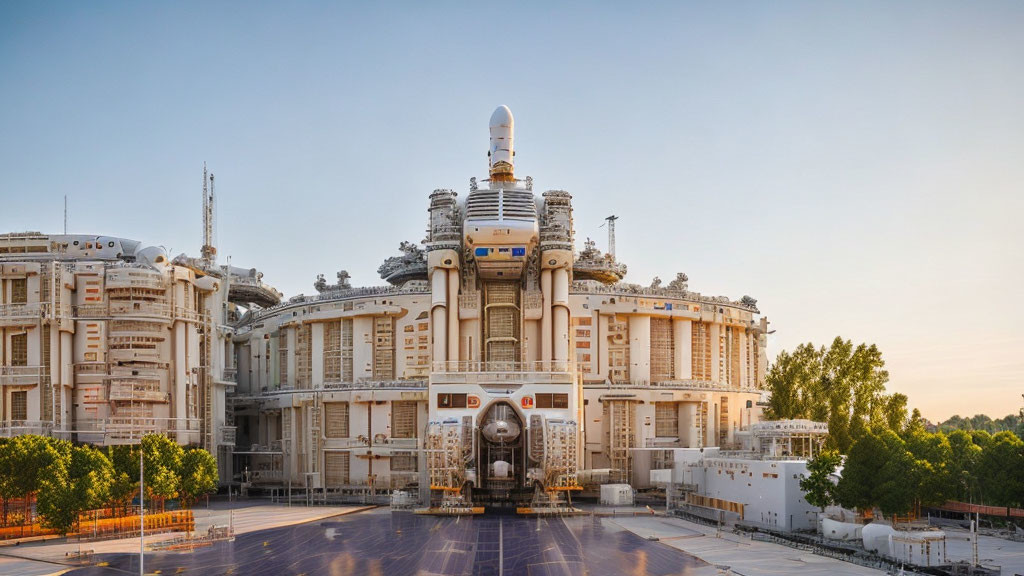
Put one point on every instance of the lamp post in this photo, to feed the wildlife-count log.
(142, 513)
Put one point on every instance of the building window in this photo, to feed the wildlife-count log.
(552, 400)
(19, 291)
(451, 400)
(403, 419)
(19, 349)
(19, 405)
(666, 420)
(336, 416)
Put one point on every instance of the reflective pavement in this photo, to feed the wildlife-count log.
(395, 544)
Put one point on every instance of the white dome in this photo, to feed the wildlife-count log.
(502, 117)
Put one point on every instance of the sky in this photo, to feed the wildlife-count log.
(856, 167)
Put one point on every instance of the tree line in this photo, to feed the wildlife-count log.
(1010, 423)
(65, 479)
(889, 459)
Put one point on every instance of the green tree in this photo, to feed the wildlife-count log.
(880, 472)
(25, 460)
(198, 475)
(74, 483)
(842, 385)
(860, 481)
(162, 466)
(819, 490)
(964, 457)
(125, 481)
(1000, 471)
(934, 456)
(900, 477)
(895, 412)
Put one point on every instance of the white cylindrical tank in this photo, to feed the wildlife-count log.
(876, 537)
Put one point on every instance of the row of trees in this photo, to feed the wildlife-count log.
(67, 479)
(890, 460)
(896, 473)
(1010, 423)
(843, 385)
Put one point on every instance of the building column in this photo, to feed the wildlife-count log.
(560, 314)
(317, 364)
(640, 348)
(180, 368)
(439, 314)
(293, 338)
(545, 319)
(55, 382)
(683, 337)
(453, 314)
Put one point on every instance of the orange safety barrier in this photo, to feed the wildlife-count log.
(89, 525)
(966, 508)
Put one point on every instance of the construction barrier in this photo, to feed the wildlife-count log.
(91, 525)
(966, 508)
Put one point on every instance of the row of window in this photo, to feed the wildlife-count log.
(542, 400)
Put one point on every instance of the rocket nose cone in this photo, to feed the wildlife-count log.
(502, 117)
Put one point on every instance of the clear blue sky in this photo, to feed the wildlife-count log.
(856, 167)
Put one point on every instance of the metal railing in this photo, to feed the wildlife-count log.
(135, 281)
(24, 310)
(22, 375)
(133, 428)
(472, 366)
(10, 428)
(343, 294)
(635, 290)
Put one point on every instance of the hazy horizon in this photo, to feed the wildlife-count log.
(856, 168)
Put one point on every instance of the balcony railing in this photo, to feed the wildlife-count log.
(22, 375)
(132, 428)
(464, 366)
(21, 311)
(502, 373)
(10, 428)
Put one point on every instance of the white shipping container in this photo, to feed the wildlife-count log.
(616, 495)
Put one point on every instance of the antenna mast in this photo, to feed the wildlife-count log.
(209, 251)
(611, 235)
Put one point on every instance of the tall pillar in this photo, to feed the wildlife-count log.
(716, 352)
(545, 319)
(293, 340)
(560, 314)
(55, 381)
(180, 367)
(453, 314)
(317, 364)
(66, 379)
(682, 336)
(640, 348)
(439, 314)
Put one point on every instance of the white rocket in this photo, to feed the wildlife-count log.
(501, 156)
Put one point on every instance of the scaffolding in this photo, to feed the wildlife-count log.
(383, 348)
(618, 350)
(663, 365)
(501, 321)
(701, 351)
(620, 436)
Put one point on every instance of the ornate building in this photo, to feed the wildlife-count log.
(497, 365)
